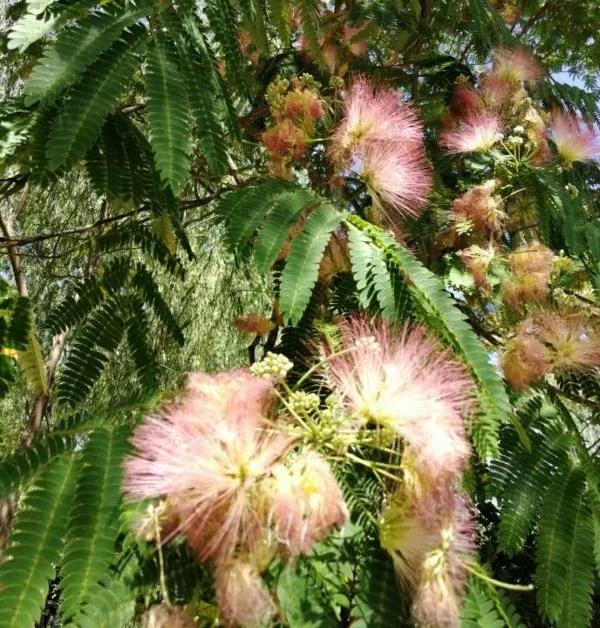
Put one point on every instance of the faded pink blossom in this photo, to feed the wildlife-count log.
(163, 616)
(572, 342)
(374, 116)
(476, 133)
(482, 207)
(405, 381)
(242, 596)
(574, 140)
(208, 455)
(396, 176)
(496, 90)
(516, 65)
(306, 503)
(442, 575)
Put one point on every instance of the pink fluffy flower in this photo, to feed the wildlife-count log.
(397, 177)
(477, 133)
(242, 596)
(574, 140)
(208, 455)
(431, 541)
(516, 65)
(371, 116)
(405, 381)
(481, 206)
(306, 503)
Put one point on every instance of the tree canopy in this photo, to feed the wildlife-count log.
(300, 317)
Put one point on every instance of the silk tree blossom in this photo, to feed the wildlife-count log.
(242, 596)
(573, 344)
(405, 382)
(373, 116)
(437, 598)
(306, 503)
(397, 177)
(209, 455)
(431, 541)
(476, 133)
(550, 341)
(482, 207)
(574, 140)
(516, 65)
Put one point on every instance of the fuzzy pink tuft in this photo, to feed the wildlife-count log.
(242, 596)
(405, 381)
(516, 65)
(477, 133)
(574, 140)
(372, 116)
(306, 503)
(482, 206)
(442, 574)
(207, 455)
(397, 177)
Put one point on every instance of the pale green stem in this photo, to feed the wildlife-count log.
(476, 571)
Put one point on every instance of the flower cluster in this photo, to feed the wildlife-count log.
(478, 119)
(530, 265)
(549, 341)
(233, 480)
(379, 140)
(402, 384)
(295, 108)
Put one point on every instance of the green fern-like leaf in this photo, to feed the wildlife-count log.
(203, 89)
(378, 601)
(485, 607)
(77, 47)
(279, 12)
(302, 266)
(32, 363)
(372, 276)
(222, 22)
(17, 469)
(36, 544)
(579, 567)
(450, 323)
(244, 210)
(91, 100)
(521, 478)
(309, 18)
(285, 211)
(168, 116)
(147, 288)
(557, 545)
(38, 22)
(93, 522)
(89, 352)
(138, 332)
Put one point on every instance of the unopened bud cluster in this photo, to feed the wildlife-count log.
(273, 365)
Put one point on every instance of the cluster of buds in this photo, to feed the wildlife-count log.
(295, 108)
(274, 366)
(549, 341)
(480, 208)
(236, 483)
(528, 282)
